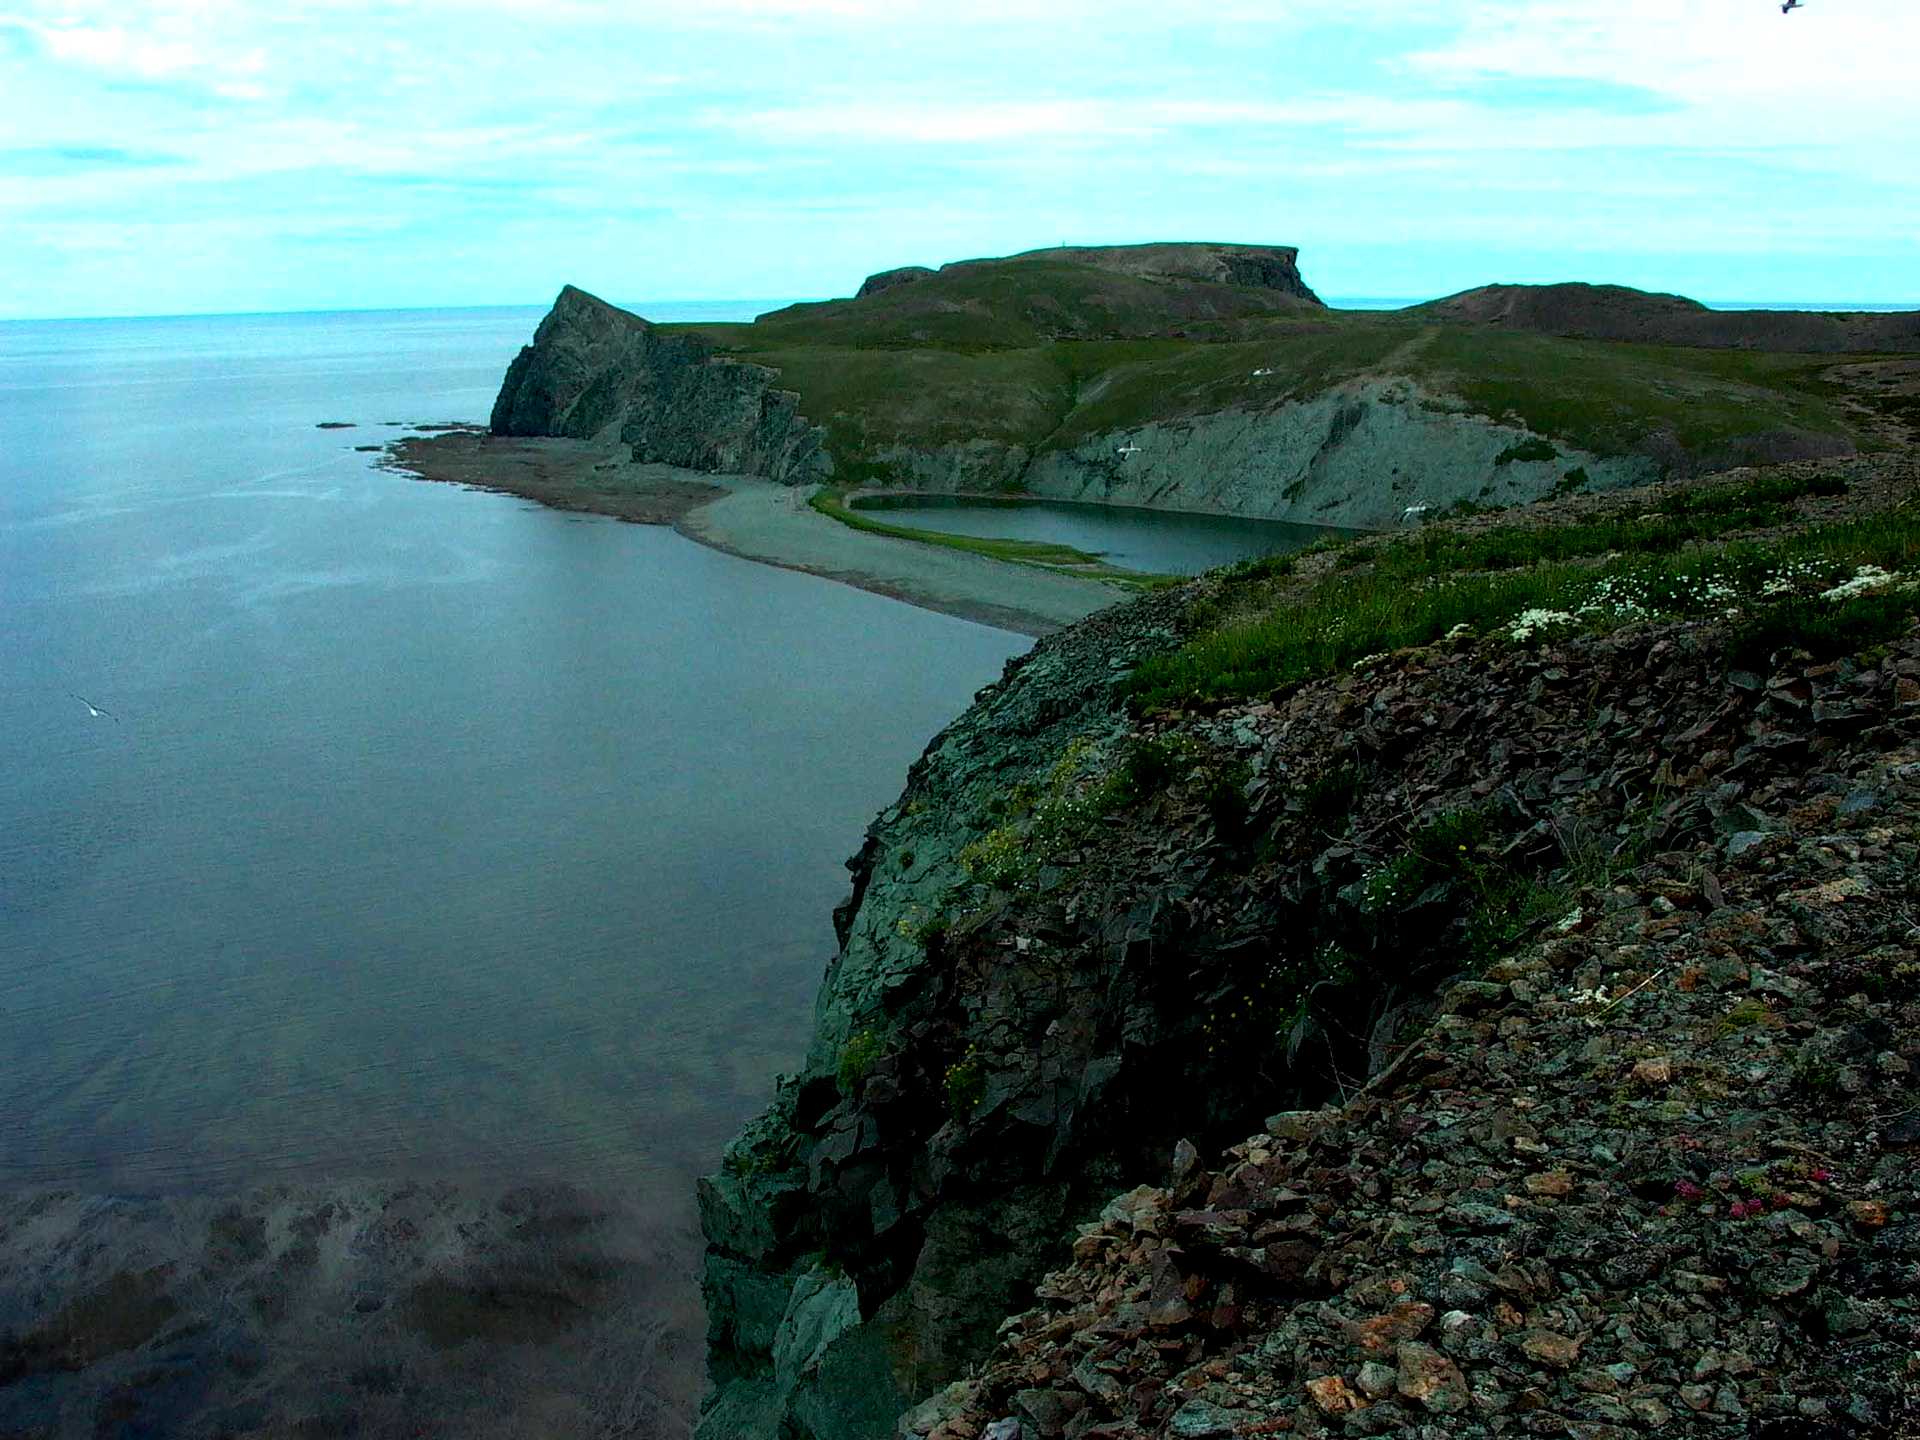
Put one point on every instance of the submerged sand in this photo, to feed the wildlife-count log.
(379, 1310)
(756, 520)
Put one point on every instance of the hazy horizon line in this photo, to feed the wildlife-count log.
(1333, 302)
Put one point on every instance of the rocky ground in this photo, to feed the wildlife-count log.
(1655, 1171)
(1656, 1168)
(1585, 973)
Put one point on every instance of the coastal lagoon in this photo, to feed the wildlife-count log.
(428, 832)
(1163, 542)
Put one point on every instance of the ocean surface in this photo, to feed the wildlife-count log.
(426, 831)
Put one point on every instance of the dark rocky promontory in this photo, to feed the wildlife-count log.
(594, 369)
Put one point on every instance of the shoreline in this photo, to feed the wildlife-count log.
(577, 475)
(752, 519)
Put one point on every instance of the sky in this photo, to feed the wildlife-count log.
(201, 156)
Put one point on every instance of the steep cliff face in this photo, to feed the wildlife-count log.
(1369, 456)
(595, 369)
(870, 1229)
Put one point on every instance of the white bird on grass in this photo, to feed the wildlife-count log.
(94, 710)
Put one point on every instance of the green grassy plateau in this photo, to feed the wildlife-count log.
(1045, 354)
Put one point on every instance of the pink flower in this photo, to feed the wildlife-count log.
(1820, 1172)
(1739, 1210)
(1687, 1190)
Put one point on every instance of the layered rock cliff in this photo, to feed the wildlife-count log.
(595, 370)
(1368, 455)
(1093, 928)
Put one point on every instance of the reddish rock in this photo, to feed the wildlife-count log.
(1431, 1378)
(1548, 1348)
(1331, 1394)
(1379, 1334)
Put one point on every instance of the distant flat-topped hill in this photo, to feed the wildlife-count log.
(1614, 312)
(1110, 292)
(1263, 267)
(1210, 377)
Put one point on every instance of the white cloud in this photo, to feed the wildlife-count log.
(1655, 122)
(1826, 68)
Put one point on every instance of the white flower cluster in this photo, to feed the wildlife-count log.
(1529, 623)
(1792, 576)
(1866, 580)
(1618, 597)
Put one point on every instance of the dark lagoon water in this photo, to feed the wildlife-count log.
(433, 832)
(1161, 542)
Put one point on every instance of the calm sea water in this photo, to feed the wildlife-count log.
(431, 831)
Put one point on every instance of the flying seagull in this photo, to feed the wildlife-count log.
(94, 710)
(1790, 6)
(1126, 450)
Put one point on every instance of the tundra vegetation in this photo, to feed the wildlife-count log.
(1044, 354)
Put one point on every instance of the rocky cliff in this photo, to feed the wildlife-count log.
(1368, 455)
(594, 370)
(1548, 887)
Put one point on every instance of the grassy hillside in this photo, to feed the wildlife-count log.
(1043, 354)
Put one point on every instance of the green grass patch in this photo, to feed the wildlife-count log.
(1585, 575)
(857, 1057)
(1044, 554)
(1535, 449)
(1825, 629)
(1450, 866)
(1606, 396)
(1030, 552)
(1346, 619)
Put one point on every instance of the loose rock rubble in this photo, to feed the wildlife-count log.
(1656, 1172)
(1642, 1121)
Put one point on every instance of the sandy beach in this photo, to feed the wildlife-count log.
(756, 520)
